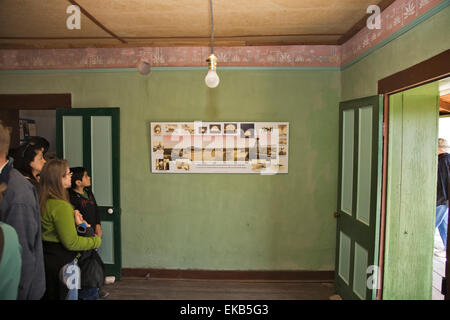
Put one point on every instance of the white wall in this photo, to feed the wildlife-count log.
(444, 128)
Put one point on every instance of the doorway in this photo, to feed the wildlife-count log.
(16, 106)
(439, 252)
(40, 123)
(410, 135)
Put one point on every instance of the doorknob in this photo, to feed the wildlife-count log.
(110, 211)
(336, 214)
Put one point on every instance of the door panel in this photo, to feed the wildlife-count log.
(73, 139)
(347, 160)
(344, 257)
(106, 250)
(358, 194)
(364, 165)
(101, 160)
(90, 138)
(411, 193)
(360, 271)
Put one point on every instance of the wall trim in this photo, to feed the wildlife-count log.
(432, 69)
(39, 101)
(235, 275)
(205, 69)
(438, 8)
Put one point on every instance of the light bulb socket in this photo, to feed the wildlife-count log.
(212, 62)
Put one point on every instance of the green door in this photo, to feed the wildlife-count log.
(360, 141)
(90, 138)
(411, 193)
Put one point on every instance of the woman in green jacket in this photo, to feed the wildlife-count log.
(61, 242)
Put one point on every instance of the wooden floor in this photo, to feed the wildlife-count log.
(165, 289)
(142, 289)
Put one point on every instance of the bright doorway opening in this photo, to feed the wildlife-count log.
(439, 251)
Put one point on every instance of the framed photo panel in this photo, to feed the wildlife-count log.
(219, 147)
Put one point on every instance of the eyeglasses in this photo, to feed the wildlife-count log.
(67, 174)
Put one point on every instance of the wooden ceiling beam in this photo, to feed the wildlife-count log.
(150, 38)
(185, 43)
(224, 41)
(444, 106)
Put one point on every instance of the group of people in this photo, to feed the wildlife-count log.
(48, 220)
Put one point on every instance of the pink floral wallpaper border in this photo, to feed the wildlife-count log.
(288, 56)
(393, 18)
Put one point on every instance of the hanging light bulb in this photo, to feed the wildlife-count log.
(212, 79)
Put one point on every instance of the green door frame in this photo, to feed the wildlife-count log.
(86, 113)
(367, 236)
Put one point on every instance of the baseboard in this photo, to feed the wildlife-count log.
(239, 275)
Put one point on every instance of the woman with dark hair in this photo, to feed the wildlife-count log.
(29, 159)
(61, 242)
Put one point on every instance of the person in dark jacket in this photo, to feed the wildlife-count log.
(442, 190)
(20, 209)
(82, 199)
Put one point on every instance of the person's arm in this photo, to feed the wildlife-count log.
(67, 233)
(98, 230)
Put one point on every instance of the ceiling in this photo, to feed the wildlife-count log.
(159, 23)
(444, 90)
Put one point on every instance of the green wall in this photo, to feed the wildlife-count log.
(218, 221)
(235, 221)
(424, 41)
